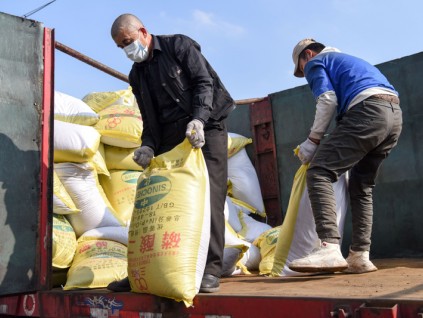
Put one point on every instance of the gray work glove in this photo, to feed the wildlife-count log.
(307, 151)
(143, 155)
(195, 133)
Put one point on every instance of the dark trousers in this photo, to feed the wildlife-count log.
(362, 139)
(215, 153)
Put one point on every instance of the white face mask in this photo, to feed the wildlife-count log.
(136, 51)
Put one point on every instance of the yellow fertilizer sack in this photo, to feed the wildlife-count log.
(62, 202)
(112, 233)
(118, 158)
(170, 227)
(245, 207)
(251, 258)
(233, 242)
(73, 110)
(100, 100)
(232, 239)
(245, 185)
(236, 143)
(266, 243)
(231, 215)
(287, 228)
(251, 228)
(64, 242)
(74, 143)
(120, 190)
(96, 264)
(120, 126)
(81, 182)
(297, 236)
(99, 162)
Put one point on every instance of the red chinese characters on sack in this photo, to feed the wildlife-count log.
(171, 240)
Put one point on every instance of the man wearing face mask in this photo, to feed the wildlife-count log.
(180, 96)
(369, 123)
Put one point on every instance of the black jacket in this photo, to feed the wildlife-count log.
(188, 78)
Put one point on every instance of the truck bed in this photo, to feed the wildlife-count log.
(396, 279)
(395, 290)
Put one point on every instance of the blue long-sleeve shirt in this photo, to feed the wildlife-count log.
(344, 74)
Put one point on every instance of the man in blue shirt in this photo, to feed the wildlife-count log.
(369, 123)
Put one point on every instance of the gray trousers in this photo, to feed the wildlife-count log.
(362, 139)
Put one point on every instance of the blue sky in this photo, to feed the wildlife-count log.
(249, 43)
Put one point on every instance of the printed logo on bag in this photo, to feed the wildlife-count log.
(272, 236)
(129, 177)
(151, 190)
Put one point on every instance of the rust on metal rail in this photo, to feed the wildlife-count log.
(249, 101)
(123, 77)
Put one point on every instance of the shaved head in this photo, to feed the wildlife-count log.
(125, 22)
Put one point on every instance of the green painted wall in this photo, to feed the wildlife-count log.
(398, 203)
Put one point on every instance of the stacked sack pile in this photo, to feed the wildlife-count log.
(95, 181)
(93, 201)
(243, 202)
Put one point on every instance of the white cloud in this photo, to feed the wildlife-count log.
(205, 23)
(203, 18)
(208, 21)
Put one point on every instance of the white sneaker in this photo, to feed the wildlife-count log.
(359, 262)
(325, 258)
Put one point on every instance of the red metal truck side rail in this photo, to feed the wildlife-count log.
(45, 227)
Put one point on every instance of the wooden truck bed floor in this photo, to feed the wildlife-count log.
(395, 290)
(395, 279)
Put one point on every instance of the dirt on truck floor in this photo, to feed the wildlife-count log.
(397, 288)
(395, 279)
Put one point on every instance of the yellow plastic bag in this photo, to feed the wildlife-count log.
(236, 143)
(118, 158)
(96, 264)
(300, 234)
(64, 242)
(287, 229)
(120, 126)
(100, 100)
(170, 227)
(266, 242)
(120, 190)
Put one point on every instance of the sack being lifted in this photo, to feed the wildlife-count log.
(169, 231)
(297, 235)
